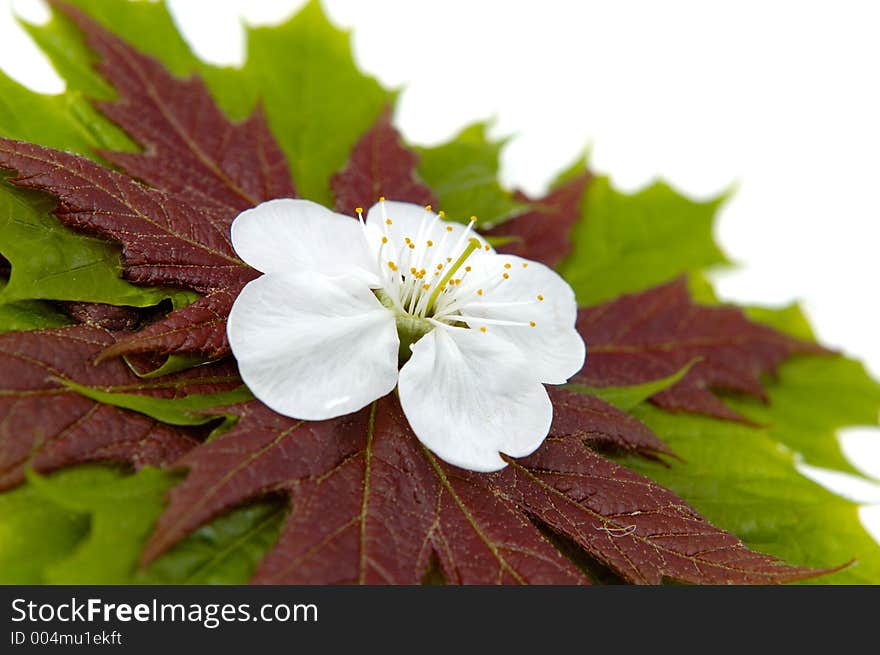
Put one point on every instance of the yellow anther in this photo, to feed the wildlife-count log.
(426, 286)
(439, 267)
(384, 239)
(441, 213)
(507, 265)
(467, 269)
(381, 198)
(486, 247)
(449, 228)
(423, 271)
(358, 210)
(427, 207)
(525, 265)
(540, 297)
(449, 259)
(392, 266)
(458, 280)
(483, 329)
(412, 246)
(479, 292)
(506, 276)
(430, 243)
(387, 221)
(532, 323)
(407, 239)
(473, 219)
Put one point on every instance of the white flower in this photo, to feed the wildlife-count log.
(343, 303)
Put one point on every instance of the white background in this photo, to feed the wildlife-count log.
(780, 98)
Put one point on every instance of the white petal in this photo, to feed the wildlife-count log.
(469, 396)
(554, 348)
(419, 225)
(312, 346)
(288, 236)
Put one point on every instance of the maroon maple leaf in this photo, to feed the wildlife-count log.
(191, 149)
(369, 504)
(47, 425)
(165, 241)
(601, 425)
(379, 165)
(650, 335)
(110, 317)
(542, 233)
(205, 170)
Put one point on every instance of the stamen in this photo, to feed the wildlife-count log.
(472, 245)
(492, 321)
(464, 235)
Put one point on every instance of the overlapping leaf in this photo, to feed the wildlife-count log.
(379, 165)
(369, 504)
(542, 233)
(650, 335)
(86, 525)
(601, 424)
(464, 175)
(191, 149)
(165, 241)
(625, 243)
(204, 170)
(47, 425)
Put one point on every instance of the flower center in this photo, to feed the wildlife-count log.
(426, 283)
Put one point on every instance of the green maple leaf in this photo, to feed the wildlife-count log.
(464, 175)
(743, 481)
(29, 315)
(52, 262)
(86, 525)
(631, 242)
